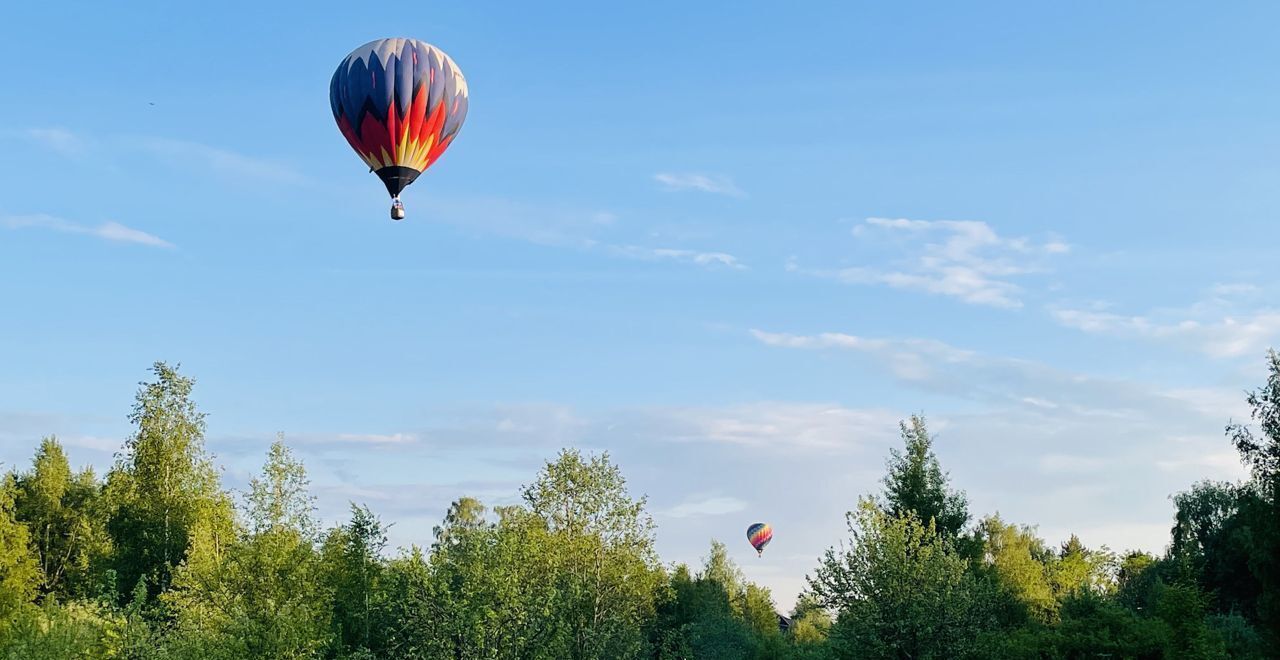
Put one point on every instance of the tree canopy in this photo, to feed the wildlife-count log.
(158, 560)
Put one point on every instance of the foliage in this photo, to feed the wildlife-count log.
(900, 590)
(916, 484)
(1021, 566)
(63, 513)
(164, 486)
(155, 562)
(262, 596)
(19, 566)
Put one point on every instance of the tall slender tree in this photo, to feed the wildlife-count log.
(164, 486)
(915, 483)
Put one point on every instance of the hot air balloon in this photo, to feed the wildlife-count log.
(759, 535)
(399, 103)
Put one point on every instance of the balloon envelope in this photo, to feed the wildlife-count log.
(399, 103)
(759, 535)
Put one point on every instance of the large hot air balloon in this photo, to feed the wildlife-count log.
(759, 535)
(399, 103)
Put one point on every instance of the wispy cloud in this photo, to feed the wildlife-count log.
(107, 231)
(700, 507)
(1219, 326)
(223, 161)
(718, 184)
(179, 153)
(706, 259)
(771, 426)
(56, 139)
(398, 439)
(961, 259)
(586, 231)
(1023, 385)
(378, 438)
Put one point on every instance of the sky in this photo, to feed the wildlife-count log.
(730, 244)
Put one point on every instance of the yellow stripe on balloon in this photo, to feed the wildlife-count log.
(403, 148)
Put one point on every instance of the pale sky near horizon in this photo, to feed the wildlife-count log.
(730, 244)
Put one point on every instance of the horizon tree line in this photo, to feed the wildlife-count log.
(156, 559)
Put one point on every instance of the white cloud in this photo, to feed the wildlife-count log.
(908, 359)
(1025, 385)
(770, 426)
(1221, 464)
(1234, 289)
(704, 506)
(109, 231)
(970, 262)
(60, 140)
(182, 153)
(1069, 444)
(707, 259)
(224, 161)
(386, 439)
(587, 231)
(1228, 336)
(709, 183)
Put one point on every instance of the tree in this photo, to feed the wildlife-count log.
(900, 590)
(720, 570)
(810, 621)
(1136, 578)
(602, 553)
(19, 567)
(1079, 568)
(496, 591)
(1183, 608)
(262, 597)
(1259, 520)
(465, 514)
(164, 486)
(351, 569)
(1262, 454)
(1215, 541)
(63, 512)
(916, 483)
(278, 498)
(1020, 563)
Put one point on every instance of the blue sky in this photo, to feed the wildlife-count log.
(730, 244)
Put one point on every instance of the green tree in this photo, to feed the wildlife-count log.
(916, 483)
(262, 597)
(602, 553)
(900, 590)
(351, 569)
(279, 498)
(719, 614)
(19, 566)
(810, 622)
(498, 591)
(720, 570)
(1183, 608)
(1020, 563)
(164, 486)
(465, 514)
(1077, 567)
(64, 513)
(1260, 518)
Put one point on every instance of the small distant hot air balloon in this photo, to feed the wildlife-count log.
(759, 535)
(399, 103)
